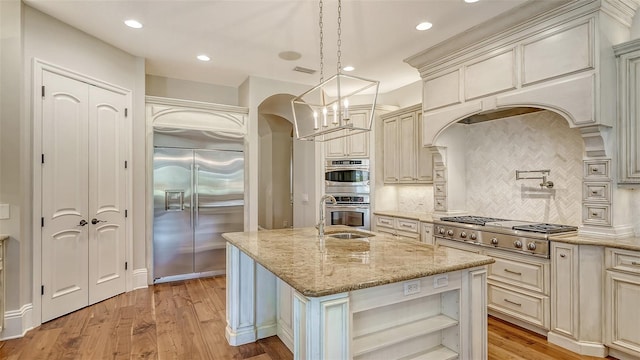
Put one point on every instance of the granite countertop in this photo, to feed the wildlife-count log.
(628, 243)
(318, 268)
(406, 215)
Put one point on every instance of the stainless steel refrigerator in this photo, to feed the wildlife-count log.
(198, 195)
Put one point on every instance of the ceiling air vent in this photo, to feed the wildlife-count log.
(304, 70)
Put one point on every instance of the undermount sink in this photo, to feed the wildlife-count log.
(349, 235)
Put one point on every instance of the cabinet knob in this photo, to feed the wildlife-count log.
(563, 255)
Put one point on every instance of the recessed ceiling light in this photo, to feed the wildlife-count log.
(289, 55)
(470, 1)
(348, 68)
(424, 26)
(203, 57)
(133, 24)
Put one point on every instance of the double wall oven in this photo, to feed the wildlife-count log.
(348, 180)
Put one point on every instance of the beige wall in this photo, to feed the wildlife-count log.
(14, 162)
(190, 90)
(54, 42)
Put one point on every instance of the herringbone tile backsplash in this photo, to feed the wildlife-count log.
(542, 140)
(495, 150)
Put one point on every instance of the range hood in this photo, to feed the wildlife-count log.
(498, 114)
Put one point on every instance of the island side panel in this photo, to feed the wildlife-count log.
(241, 297)
(251, 299)
(321, 327)
(266, 304)
(474, 314)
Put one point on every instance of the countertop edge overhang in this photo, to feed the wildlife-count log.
(318, 268)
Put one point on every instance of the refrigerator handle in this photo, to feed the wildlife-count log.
(196, 206)
(191, 198)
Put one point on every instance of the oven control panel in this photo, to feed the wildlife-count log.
(521, 244)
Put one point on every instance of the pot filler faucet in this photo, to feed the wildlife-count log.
(320, 225)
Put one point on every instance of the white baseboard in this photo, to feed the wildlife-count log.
(17, 322)
(140, 279)
(286, 336)
(579, 347)
(622, 355)
(243, 336)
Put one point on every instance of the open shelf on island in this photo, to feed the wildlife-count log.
(381, 339)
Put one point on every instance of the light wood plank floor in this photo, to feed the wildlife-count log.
(186, 320)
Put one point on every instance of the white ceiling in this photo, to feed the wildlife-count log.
(244, 37)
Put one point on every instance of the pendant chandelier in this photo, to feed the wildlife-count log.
(323, 112)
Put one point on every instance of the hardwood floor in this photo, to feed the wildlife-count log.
(186, 320)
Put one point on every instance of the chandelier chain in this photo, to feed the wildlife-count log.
(338, 64)
(321, 45)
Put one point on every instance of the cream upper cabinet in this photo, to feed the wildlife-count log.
(390, 152)
(355, 146)
(405, 159)
(628, 55)
(406, 156)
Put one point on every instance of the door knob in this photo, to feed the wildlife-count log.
(95, 221)
(83, 222)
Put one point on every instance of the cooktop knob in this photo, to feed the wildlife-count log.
(441, 231)
(473, 236)
(518, 244)
(463, 234)
(531, 246)
(450, 232)
(494, 241)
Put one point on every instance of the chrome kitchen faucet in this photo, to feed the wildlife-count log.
(320, 225)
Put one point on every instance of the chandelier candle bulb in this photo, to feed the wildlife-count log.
(335, 113)
(324, 116)
(346, 109)
(315, 120)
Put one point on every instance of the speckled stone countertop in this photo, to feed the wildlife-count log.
(629, 243)
(318, 268)
(406, 215)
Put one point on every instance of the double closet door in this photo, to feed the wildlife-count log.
(84, 148)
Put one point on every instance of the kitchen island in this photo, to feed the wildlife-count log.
(372, 297)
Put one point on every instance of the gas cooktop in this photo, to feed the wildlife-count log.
(527, 226)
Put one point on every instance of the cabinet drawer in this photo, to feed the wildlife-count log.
(439, 189)
(527, 307)
(596, 191)
(519, 272)
(596, 169)
(596, 214)
(440, 204)
(407, 225)
(408, 235)
(623, 260)
(439, 174)
(383, 221)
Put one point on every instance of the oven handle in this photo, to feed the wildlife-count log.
(339, 168)
(334, 207)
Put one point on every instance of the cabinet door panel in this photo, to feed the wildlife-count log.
(564, 289)
(390, 149)
(358, 145)
(407, 141)
(425, 160)
(623, 312)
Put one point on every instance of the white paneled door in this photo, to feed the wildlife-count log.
(84, 146)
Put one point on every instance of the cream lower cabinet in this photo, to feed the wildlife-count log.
(518, 286)
(399, 227)
(426, 234)
(622, 303)
(576, 298)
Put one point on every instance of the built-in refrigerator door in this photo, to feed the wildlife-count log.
(172, 217)
(218, 205)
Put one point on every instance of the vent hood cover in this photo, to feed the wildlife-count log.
(498, 114)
